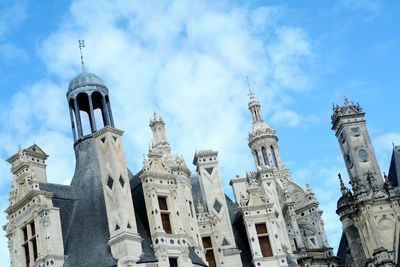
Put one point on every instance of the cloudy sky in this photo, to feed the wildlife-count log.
(188, 60)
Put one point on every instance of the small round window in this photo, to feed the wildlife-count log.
(363, 154)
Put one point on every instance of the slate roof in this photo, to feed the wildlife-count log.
(394, 169)
(85, 79)
(344, 256)
(141, 218)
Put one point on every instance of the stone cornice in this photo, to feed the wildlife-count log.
(107, 129)
(20, 203)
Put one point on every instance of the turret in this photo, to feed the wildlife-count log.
(351, 130)
(101, 172)
(160, 141)
(263, 141)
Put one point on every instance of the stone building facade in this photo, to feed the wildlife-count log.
(163, 215)
(369, 211)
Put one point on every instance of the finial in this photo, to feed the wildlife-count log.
(19, 147)
(333, 105)
(251, 94)
(340, 179)
(346, 101)
(385, 176)
(307, 185)
(82, 45)
(342, 186)
(155, 115)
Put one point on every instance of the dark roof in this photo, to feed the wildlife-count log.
(141, 218)
(85, 79)
(83, 211)
(342, 254)
(195, 258)
(343, 200)
(64, 199)
(394, 169)
(196, 192)
(239, 233)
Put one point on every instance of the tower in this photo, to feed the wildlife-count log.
(169, 202)
(263, 141)
(217, 233)
(282, 221)
(101, 175)
(351, 130)
(369, 213)
(34, 227)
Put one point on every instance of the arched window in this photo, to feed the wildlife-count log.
(274, 157)
(264, 153)
(98, 110)
(258, 159)
(84, 113)
(255, 114)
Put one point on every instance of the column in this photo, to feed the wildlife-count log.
(78, 118)
(104, 110)
(72, 122)
(110, 113)
(91, 114)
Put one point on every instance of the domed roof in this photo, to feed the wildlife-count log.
(85, 79)
(343, 200)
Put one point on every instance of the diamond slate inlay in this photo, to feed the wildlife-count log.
(217, 206)
(110, 182)
(209, 170)
(121, 181)
(225, 242)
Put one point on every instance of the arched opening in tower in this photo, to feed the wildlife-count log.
(98, 110)
(84, 112)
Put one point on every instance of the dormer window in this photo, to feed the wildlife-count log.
(29, 244)
(166, 223)
(263, 239)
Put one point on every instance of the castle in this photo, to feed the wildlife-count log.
(163, 215)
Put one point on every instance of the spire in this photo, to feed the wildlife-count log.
(343, 188)
(82, 45)
(251, 94)
(254, 105)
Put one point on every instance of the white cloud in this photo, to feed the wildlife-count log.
(187, 60)
(12, 16)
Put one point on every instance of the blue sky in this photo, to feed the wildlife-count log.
(188, 61)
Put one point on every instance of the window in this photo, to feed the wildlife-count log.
(264, 153)
(166, 223)
(263, 238)
(258, 159)
(29, 244)
(173, 262)
(191, 208)
(255, 114)
(207, 244)
(274, 157)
